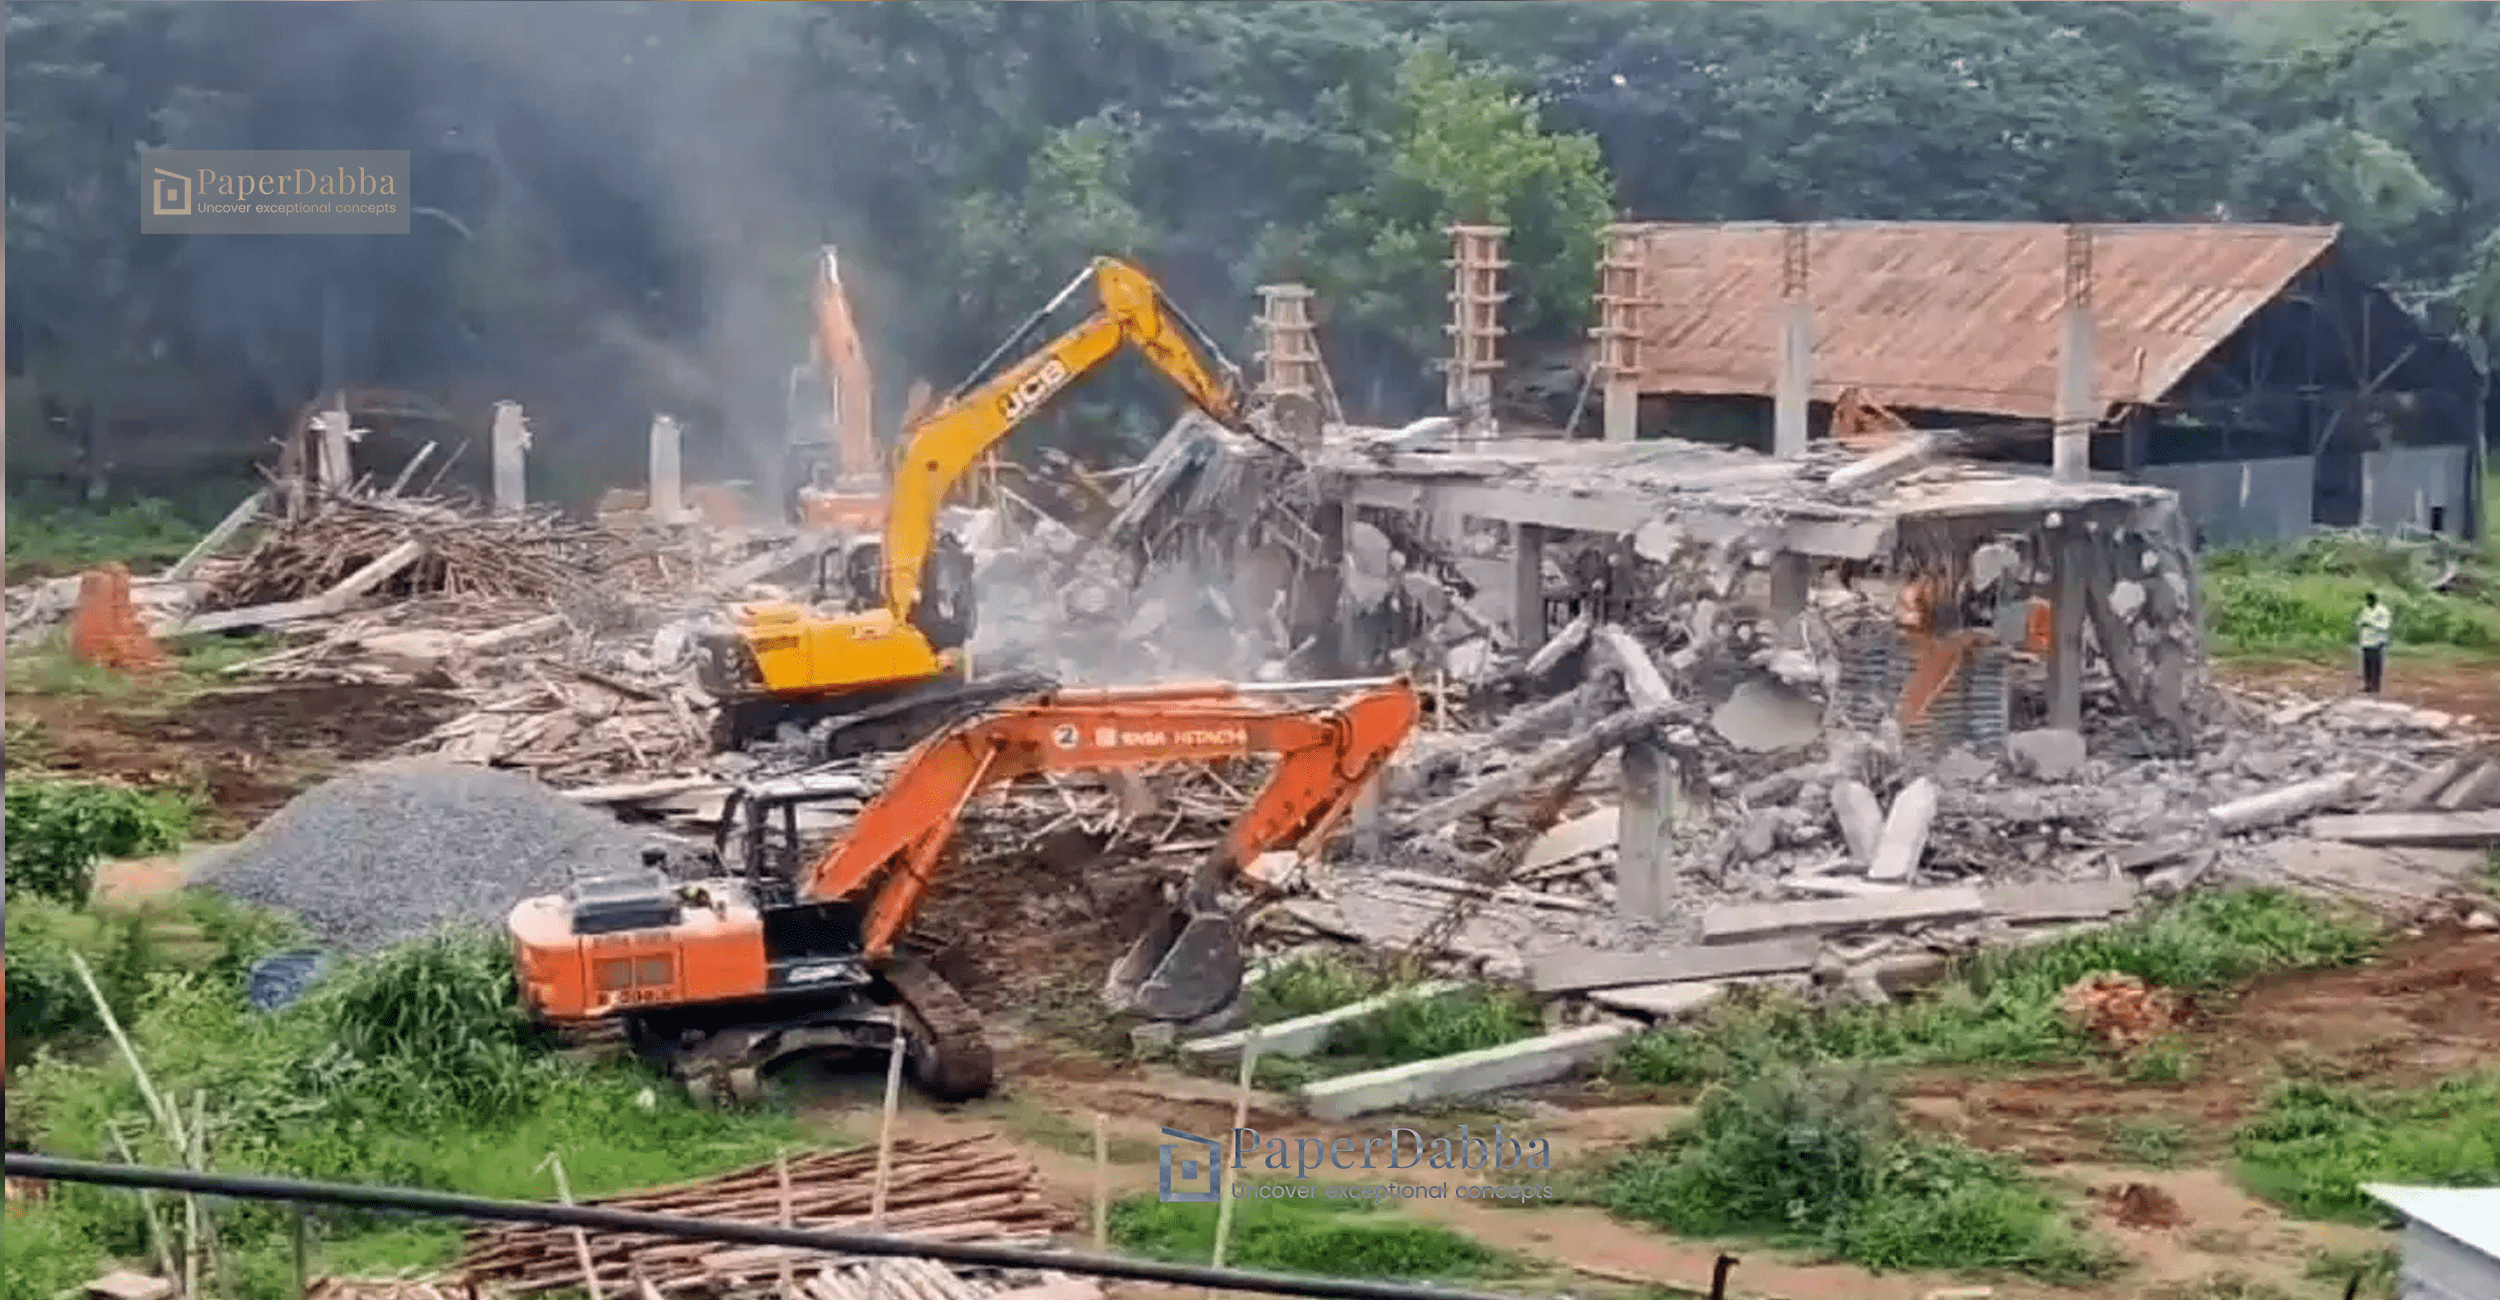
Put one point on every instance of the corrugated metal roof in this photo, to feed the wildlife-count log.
(1955, 316)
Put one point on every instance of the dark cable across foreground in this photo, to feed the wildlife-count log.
(597, 1218)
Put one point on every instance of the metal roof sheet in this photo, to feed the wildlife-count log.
(1954, 316)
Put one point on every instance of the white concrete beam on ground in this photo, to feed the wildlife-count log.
(1755, 920)
(1575, 969)
(1513, 1065)
(2459, 830)
(2070, 900)
(1311, 1034)
(2290, 803)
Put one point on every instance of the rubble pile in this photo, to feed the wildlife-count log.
(461, 554)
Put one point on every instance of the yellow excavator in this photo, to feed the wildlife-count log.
(832, 406)
(889, 673)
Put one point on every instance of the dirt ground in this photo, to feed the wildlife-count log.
(2468, 686)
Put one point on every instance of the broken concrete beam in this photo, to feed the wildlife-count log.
(2046, 754)
(1537, 722)
(1904, 840)
(757, 568)
(2059, 901)
(1572, 637)
(381, 570)
(1892, 462)
(1573, 838)
(1512, 1065)
(2457, 830)
(1577, 969)
(1861, 821)
(1663, 1001)
(1752, 920)
(1503, 894)
(2276, 807)
(1309, 1035)
(641, 791)
(2426, 788)
(1485, 794)
(2479, 788)
(1641, 678)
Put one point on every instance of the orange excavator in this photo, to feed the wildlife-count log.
(725, 978)
(832, 436)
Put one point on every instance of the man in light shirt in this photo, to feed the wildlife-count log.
(2375, 620)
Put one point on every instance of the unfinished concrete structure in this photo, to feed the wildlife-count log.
(2243, 365)
(1475, 328)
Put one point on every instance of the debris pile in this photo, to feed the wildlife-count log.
(456, 553)
(974, 1189)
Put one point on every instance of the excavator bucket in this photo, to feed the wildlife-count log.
(1186, 965)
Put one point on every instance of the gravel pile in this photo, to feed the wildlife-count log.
(395, 850)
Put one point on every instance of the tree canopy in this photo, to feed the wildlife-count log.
(623, 196)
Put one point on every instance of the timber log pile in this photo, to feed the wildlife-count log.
(535, 554)
(974, 1189)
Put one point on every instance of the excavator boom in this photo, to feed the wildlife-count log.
(1324, 759)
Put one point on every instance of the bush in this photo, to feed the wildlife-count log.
(59, 829)
(2301, 599)
(1816, 1159)
(2004, 1006)
(2313, 1145)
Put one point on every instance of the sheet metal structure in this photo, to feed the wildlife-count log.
(1954, 316)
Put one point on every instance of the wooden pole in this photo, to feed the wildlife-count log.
(303, 1253)
(885, 1146)
(158, 1246)
(165, 1116)
(194, 1216)
(581, 1239)
(1241, 1120)
(1102, 1183)
(781, 1173)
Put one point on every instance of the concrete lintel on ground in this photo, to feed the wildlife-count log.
(1753, 920)
(1577, 969)
(1513, 1065)
(1306, 1035)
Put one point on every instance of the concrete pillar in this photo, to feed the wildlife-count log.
(1354, 651)
(1618, 332)
(667, 483)
(2078, 397)
(1319, 609)
(337, 466)
(1791, 576)
(1645, 835)
(512, 441)
(2070, 582)
(1623, 410)
(1793, 386)
(1527, 587)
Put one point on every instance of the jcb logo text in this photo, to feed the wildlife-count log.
(1036, 389)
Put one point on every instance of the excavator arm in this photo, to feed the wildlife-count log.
(1325, 759)
(938, 450)
(842, 368)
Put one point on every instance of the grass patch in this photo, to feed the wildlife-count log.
(414, 1067)
(199, 665)
(52, 542)
(1312, 983)
(2300, 599)
(2376, 1269)
(2003, 1006)
(1818, 1160)
(1332, 1237)
(2151, 1144)
(1411, 1029)
(2314, 1144)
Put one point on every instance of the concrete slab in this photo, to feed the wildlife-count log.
(2458, 830)
(1663, 1001)
(2479, 788)
(1306, 1035)
(1513, 1065)
(1752, 920)
(2059, 901)
(1903, 842)
(1765, 717)
(1569, 840)
(1861, 820)
(1573, 970)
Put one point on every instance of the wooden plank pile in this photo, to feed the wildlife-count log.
(388, 1288)
(972, 1189)
(531, 554)
(572, 724)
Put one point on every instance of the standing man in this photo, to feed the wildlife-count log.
(2374, 621)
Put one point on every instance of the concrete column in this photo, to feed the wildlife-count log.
(1527, 586)
(512, 441)
(1319, 608)
(1623, 410)
(1793, 385)
(2078, 398)
(1645, 836)
(1791, 575)
(1354, 651)
(2070, 582)
(666, 495)
(337, 467)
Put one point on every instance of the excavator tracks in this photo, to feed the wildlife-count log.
(952, 1060)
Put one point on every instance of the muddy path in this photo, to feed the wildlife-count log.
(2468, 686)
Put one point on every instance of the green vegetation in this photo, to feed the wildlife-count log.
(2375, 1268)
(53, 542)
(412, 1067)
(2153, 1144)
(2314, 1144)
(2300, 600)
(1817, 1159)
(1410, 1029)
(199, 664)
(58, 830)
(1335, 1237)
(2004, 1006)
